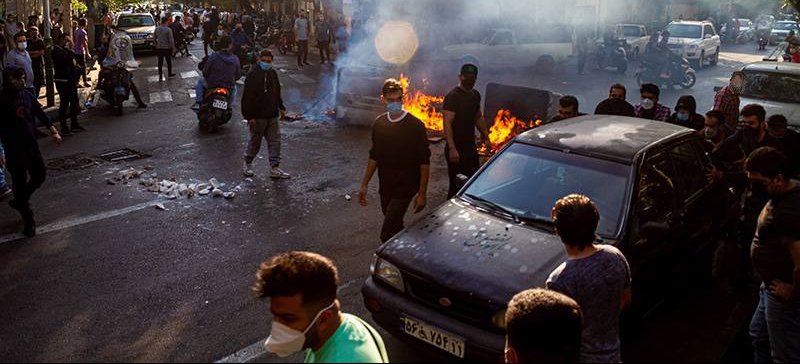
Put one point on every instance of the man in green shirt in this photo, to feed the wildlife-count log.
(302, 288)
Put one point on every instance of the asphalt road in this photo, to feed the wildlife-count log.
(113, 278)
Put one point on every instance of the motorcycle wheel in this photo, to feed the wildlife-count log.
(689, 80)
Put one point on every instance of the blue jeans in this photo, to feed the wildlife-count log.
(775, 329)
(200, 90)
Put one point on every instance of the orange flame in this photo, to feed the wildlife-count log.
(506, 127)
(423, 106)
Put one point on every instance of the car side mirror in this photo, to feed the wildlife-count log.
(461, 181)
(708, 36)
(717, 88)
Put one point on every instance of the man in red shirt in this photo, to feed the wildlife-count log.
(727, 99)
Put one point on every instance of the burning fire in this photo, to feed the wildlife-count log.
(425, 107)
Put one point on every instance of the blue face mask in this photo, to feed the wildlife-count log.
(264, 65)
(683, 116)
(396, 106)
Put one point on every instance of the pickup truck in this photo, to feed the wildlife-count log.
(636, 36)
(502, 48)
(696, 41)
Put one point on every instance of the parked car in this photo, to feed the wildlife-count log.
(446, 280)
(776, 86)
(781, 30)
(696, 41)
(636, 37)
(502, 48)
(744, 24)
(141, 27)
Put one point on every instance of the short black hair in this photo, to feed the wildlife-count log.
(754, 110)
(544, 326)
(164, 19)
(651, 88)
(20, 34)
(768, 162)
(224, 42)
(619, 86)
(615, 107)
(266, 53)
(312, 276)
(778, 121)
(716, 114)
(391, 85)
(82, 22)
(576, 218)
(569, 101)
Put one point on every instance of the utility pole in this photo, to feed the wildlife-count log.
(48, 56)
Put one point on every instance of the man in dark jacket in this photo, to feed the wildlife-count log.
(686, 114)
(23, 157)
(221, 69)
(262, 107)
(66, 80)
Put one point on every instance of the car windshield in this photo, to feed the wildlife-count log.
(685, 31)
(135, 21)
(527, 181)
(779, 87)
(786, 26)
(629, 31)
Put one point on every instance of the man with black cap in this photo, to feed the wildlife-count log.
(462, 114)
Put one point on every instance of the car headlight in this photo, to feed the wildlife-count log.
(499, 319)
(388, 273)
(693, 46)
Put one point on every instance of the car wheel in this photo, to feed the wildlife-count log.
(702, 60)
(715, 59)
(545, 64)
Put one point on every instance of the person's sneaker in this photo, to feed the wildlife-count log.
(277, 173)
(141, 106)
(248, 170)
(5, 191)
(196, 106)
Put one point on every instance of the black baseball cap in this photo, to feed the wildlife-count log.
(469, 69)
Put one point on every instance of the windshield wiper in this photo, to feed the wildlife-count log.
(495, 206)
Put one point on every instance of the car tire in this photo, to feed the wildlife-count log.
(545, 65)
(701, 61)
(715, 60)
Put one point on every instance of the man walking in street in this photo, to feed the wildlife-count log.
(81, 39)
(543, 326)
(307, 315)
(36, 51)
(727, 100)
(262, 107)
(649, 108)
(301, 27)
(775, 327)
(596, 276)
(324, 36)
(66, 79)
(462, 114)
(165, 47)
(401, 155)
(22, 150)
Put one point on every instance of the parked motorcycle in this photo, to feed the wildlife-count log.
(680, 73)
(116, 85)
(215, 110)
(613, 55)
(182, 47)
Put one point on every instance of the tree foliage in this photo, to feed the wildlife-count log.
(793, 3)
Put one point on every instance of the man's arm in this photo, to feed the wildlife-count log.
(789, 291)
(39, 113)
(483, 128)
(372, 166)
(422, 194)
(449, 117)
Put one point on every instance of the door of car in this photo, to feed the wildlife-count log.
(709, 40)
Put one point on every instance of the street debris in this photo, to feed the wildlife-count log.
(169, 189)
(161, 207)
(348, 197)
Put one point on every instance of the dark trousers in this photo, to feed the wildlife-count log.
(162, 54)
(69, 106)
(80, 60)
(324, 51)
(27, 175)
(302, 52)
(394, 210)
(467, 165)
(135, 93)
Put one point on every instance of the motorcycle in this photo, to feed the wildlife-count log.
(116, 85)
(745, 36)
(215, 110)
(285, 43)
(613, 55)
(763, 39)
(183, 44)
(680, 73)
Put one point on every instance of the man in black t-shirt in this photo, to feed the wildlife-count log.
(401, 155)
(462, 114)
(36, 51)
(775, 328)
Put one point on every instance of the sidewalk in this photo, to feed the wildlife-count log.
(84, 94)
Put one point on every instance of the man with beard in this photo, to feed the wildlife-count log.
(727, 99)
(462, 114)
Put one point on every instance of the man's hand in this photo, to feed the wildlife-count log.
(56, 138)
(282, 114)
(453, 154)
(782, 290)
(362, 196)
(420, 202)
(713, 174)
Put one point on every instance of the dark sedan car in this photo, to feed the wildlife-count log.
(445, 282)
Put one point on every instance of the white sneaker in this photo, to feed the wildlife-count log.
(279, 174)
(248, 170)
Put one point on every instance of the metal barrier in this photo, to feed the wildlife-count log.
(777, 53)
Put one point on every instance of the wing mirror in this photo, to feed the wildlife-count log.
(461, 181)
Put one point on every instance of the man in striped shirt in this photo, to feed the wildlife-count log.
(727, 99)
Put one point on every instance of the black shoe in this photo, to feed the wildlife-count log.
(171, 75)
(307, 63)
(141, 106)
(29, 228)
(77, 127)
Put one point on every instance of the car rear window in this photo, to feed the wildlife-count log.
(685, 31)
(780, 87)
(135, 21)
(631, 31)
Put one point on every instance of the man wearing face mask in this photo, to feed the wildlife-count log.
(19, 58)
(615, 104)
(649, 108)
(262, 107)
(462, 114)
(775, 327)
(686, 114)
(401, 155)
(306, 313)
(727, 100)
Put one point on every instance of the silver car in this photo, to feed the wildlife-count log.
(141, 27)
(776, 86)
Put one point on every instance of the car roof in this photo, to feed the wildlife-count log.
(774, 67)
(690, 22)
(616, 138)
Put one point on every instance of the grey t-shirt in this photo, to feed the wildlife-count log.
(596, 283)
(21, 59)
(164, 39)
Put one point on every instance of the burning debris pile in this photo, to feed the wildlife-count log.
(505, 127)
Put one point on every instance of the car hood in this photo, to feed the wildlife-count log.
(788, 109)
(683, 41)
(145, 29)
(470, 251)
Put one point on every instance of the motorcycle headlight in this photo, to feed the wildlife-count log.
(388, 274)
(499, 319)
(120, 64)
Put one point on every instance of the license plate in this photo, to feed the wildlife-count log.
(220, 104)
(434, 336)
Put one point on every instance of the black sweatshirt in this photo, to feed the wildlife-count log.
(262, 95)
(400, 148)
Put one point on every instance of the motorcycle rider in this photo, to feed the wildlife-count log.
(105, 71)
(222, 69)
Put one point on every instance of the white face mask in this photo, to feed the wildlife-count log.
(284, 340)
(22, 46)
(220, 32)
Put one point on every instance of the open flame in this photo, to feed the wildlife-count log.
(506, 126)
